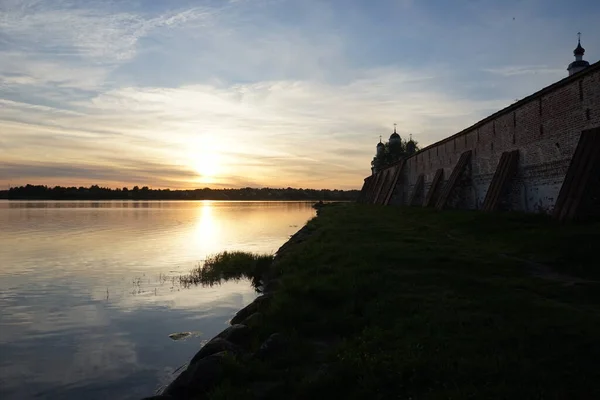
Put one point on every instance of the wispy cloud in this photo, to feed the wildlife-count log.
(94, 31)
(525, 70)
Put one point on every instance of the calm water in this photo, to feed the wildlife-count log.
(87, 295)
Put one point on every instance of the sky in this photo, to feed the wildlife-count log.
(260, 93)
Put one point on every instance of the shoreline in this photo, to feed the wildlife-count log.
(95, 192)
(385, 302)
(233, 342)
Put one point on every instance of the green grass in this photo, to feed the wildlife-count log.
(427, 305)
(226, 266)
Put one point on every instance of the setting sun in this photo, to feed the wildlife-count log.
(204, 158)
(206, 165)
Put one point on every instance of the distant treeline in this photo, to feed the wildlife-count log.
(95, 192)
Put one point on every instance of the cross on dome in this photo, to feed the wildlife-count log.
(579, 50)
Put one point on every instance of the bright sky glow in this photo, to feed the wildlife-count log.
(218, 93)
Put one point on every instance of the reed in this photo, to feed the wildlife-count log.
(229, 265)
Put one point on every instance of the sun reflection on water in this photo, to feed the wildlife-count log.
(206, 230)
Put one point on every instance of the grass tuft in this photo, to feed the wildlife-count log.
(229, 265)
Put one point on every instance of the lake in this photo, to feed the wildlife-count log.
(89, 290)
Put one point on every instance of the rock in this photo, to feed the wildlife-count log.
(254, 320)
(271, 286)
(237, 334)
(273, 346)
(198, 378)
(183, 335)
(216, 345)
(259, 303)
(244, 313)
(178, 336)
(159, 397)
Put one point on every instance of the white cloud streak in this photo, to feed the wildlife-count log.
(525, 70)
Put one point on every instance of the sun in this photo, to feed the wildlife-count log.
(204, 158)
(206, 164)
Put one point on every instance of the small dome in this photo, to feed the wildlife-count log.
(411, 147)
(380, 144)
(579, 64)
(579, 51)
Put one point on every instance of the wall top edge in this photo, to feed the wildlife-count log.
(563, 82)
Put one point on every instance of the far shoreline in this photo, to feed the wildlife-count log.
(96, 193)
(182, 200)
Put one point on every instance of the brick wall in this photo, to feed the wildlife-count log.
(544, 127)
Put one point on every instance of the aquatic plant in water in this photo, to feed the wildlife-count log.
(225, 266)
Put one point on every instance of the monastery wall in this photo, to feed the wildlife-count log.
(545, 128)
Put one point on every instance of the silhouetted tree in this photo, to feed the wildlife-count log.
(95, 192)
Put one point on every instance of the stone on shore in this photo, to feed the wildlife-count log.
(199, 377)
(259, 303)
(214, 346)
(254, 320)
(237, 334)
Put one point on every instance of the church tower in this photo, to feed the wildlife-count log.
(579, 63)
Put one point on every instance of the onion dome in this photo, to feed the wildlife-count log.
(579, 51)
(380, 148)
(394, 137)
(579, 63)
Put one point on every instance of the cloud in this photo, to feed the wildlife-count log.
(28, 107)
(20, 69)
(311, 133)
(524, 70)
(273, 93)
(94, 32)
(159, 175)
(62, 44)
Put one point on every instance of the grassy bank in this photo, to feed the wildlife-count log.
(384, 302)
